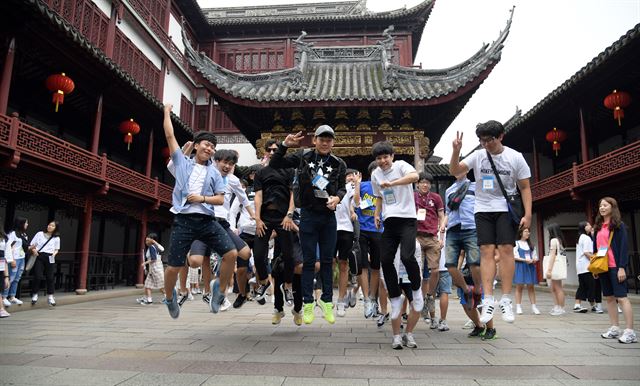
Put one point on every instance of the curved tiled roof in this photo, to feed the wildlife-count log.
(581, 75)
(76, 36)
(361, 73)
(311, 13)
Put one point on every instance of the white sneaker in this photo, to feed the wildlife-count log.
(506, 306)
(619, 310)
(469, 325)
(488, 306)
(396, 343)
(434, 323)
(189, 296)
(51, 300)
(556, 311)
(442, 325)
(629, 336)
(535, 309)
(409, 341)
(518, 309)
(340, 309)
(368, 308)
(396, 307)
(34, 299)
(418, 301)
(598, 309)
(226, 304)
(16, 301)
(612, 333)
(6, 302)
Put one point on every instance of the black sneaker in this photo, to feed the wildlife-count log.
(261, 291)
(489, 334)
(262, 301)
(288, 295)
(382, 319)
(182, 298)
(239, 301)
(205, 298)
(476, 332)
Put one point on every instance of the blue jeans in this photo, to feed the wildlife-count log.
(15, 274)
(458, 240)
(317, 229)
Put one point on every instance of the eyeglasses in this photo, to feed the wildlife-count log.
(486, 139)
(272, 149)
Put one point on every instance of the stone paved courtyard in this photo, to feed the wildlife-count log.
(118, 342)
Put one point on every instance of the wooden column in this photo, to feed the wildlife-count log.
(167, 17)
(536, 163)
(97, 124)
(111, 29)
(210, 120)
(418, 162)
(141, 245)
(81, 282)
(7, 72)
(584, 149)
(149, 155)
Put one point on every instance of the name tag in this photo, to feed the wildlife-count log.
(527, 255)
(2, 265)
(364, 204)
(320, 182)
(389, 197)
(487, 182)
(422, 214)
(52, 259)
(602, 251)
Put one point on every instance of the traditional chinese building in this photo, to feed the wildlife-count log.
(591, 153)
(83, 83)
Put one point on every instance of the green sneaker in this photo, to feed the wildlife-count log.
(489, 334)
(327, 311)
(308, 313)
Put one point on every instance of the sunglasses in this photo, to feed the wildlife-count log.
(272, 149)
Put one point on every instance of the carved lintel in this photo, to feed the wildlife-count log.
(12, 161)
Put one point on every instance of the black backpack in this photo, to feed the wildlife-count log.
(295, 186)
(455, 199)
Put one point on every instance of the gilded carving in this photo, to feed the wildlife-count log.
(342, 114)
(348, 140)
(400, 139)
(368, 140)
(341, 127)
(385, 127)
(296, 115)
(364, 114)
(318, 114)
(386, 114)
(363, 127)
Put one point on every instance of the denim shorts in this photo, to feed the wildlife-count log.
(611, 286)
(459, 240)
(189, 227)
(444, 283)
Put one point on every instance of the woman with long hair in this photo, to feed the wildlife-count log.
(556, 249)
(525, 273)
(614, 282)
(45, 245)
(588, 287)
(14, 252)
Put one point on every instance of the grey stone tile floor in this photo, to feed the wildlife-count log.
(118, 342)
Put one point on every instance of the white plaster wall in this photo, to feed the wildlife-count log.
(139, 42)
(175, 31)
(202, 97)
(565, 220)
(174, 88)
(104, 5)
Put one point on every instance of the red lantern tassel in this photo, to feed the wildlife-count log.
(618, 114)
(58, 98)
(556, 147)
(128, 138)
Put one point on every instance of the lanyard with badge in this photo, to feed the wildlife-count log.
(319, 181)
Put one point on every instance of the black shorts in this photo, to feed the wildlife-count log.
(249, 239)
(198, 248)
(344, 245)
(495, 228)
(370, 245)
(406, 288)
(237, 241)
(611, 286)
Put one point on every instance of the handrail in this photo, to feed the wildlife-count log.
(43, 146)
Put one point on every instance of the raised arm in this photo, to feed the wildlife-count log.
(455, 166)
(168, 129)
(280, 159)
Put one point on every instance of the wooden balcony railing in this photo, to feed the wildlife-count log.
(44, 147)
(612, 164)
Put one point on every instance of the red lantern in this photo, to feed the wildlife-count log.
(556, 136)
(59, 84)
(166, 153)
(617, 101)
(129, 129)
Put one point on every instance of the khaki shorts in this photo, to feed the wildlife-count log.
(430, 250)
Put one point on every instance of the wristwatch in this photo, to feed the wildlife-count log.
(290, 214)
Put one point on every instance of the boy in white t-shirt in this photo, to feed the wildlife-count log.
(392, 186)
(494, 223)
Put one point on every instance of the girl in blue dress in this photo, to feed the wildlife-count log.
(525, 273)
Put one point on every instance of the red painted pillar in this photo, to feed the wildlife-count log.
(7, 72)
(536, 163)
(97, 125)
(584, 149)
(81, 282)
(540, 238)
(210, 120)
(149, 155)
(111, 30)
(141, 245)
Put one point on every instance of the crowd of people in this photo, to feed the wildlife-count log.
(398, 242)
(279, 228)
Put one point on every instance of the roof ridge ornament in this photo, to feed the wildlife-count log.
(298, 82)
(389, 74)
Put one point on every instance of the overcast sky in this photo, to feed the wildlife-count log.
(549, 41)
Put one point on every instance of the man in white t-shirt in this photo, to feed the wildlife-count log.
(494, 224)
(392, 186)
